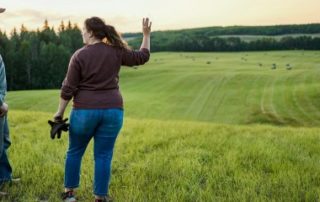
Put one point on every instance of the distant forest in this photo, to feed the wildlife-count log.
(230, 38)
(39, 59)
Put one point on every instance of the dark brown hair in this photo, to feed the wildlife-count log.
(101, 30)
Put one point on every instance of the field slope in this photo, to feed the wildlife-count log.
(233, 88)
(198, 127)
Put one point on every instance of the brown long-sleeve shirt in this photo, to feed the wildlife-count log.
(93, 75)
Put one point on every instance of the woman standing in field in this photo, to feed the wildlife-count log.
(92, 81)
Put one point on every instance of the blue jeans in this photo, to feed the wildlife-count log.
(5, 168)
(103, 125)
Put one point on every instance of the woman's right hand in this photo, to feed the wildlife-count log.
(146, 27)
(58, 116)
(4, 110)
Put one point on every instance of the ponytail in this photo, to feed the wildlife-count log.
(102, 31)
(113, 37)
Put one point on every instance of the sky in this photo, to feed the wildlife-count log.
(126, 15)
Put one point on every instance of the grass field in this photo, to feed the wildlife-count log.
(198, 127)
(233, 88)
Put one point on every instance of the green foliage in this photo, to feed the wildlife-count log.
(282, 37)
(38, 59)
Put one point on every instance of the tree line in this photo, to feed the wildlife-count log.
(39, 59)
(207, 44)
(231, 38)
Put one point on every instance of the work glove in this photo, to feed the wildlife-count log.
(57, 126)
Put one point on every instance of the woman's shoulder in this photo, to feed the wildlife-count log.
(113, 48)
(89, 51)
(81, 50)
(106, 49)
(80, 53)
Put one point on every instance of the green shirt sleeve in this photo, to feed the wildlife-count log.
(3, 81)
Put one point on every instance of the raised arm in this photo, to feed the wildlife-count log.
(133, 58)
(146, 29)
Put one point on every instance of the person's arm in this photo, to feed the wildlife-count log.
(61, 109)
(69, 86)
(146, 29)
(133, 58)
(3, 89)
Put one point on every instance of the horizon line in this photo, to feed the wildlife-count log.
(164, 30)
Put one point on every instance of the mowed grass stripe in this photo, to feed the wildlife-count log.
(305, 105)
(212, 108)
(271, 99)
(299, 106)
(291, 113)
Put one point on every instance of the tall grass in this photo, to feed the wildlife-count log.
(174, 161)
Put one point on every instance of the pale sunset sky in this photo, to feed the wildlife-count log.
(126, 15)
